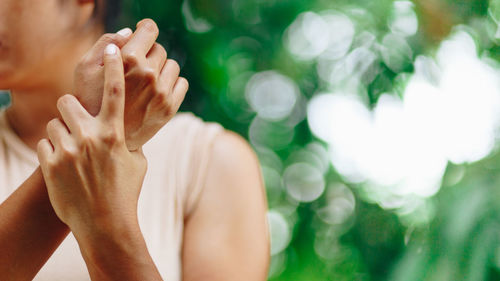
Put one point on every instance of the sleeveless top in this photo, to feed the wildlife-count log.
(177, 163)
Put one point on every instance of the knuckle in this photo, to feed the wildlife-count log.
(111, 137)
(130, 58)
(68, 153)
(40, 144)
(51, 167)
(161, 89)
(64, 100)
(85, 140)
(184, 83)
(52, 124)
(149, 74)
(108, 37)
(168, 112)
(150, 26)
(161, 99)
(163, 105)
(174, 65)
(162, 50)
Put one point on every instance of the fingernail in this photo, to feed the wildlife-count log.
(111, 49)
(126, 32)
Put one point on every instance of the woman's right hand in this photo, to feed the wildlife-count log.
(90, 174)
(154, 90)
(94, 181)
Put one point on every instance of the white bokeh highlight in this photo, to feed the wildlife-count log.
(329, 35)
(279, 232)
(272, 95)
(401, 148)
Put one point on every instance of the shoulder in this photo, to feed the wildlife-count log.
(232, 152)
(231, 214)
(207, 162)
(233, 181)
(184, 148)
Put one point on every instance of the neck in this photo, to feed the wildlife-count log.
(31, 111)
(34, 106)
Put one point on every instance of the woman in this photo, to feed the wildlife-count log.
(202, 208)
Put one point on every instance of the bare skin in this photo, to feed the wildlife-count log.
(230, 215)
(93, 179)
(164, 95)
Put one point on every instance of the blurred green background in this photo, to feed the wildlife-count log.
(376, 124)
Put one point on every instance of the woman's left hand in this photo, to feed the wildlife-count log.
(154, 91)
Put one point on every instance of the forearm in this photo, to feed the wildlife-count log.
(30, 231)
(116, 251)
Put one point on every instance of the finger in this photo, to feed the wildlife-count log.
(44, 151)
(170, 74)
(141, 41)
(72, 113)
(126, 32)
(58, 133)
(95, 55)
(113, 101)
(157, 58)
(179, 92)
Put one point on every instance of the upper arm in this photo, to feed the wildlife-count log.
(226, 236)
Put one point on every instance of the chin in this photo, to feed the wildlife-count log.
(8, 74)
(5, 83)
(6, 80)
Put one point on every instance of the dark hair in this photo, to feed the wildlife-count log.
(108, 12)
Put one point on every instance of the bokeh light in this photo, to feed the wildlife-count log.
(280, 232)
(304, 182)
(272, 95)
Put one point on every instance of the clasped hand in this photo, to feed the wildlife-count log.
(92, 161)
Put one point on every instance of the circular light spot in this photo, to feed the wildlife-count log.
(278, 265)
(340, 205)
(304, 182)
(308, 36)
(268, 134)
(279, 231)
(272, 95)
(269, 158)
(404, 20)
(341, 35)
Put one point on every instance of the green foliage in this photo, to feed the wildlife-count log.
(221, 45)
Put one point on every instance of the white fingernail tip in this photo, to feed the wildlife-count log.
(126, 32)
(111, 49)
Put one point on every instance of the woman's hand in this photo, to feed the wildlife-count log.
(92, 178)
(94, 181)
(154, 90)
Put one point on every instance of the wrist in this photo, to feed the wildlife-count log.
(103, 246)
(106, 229)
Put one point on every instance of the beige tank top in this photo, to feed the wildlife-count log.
(177, 162)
